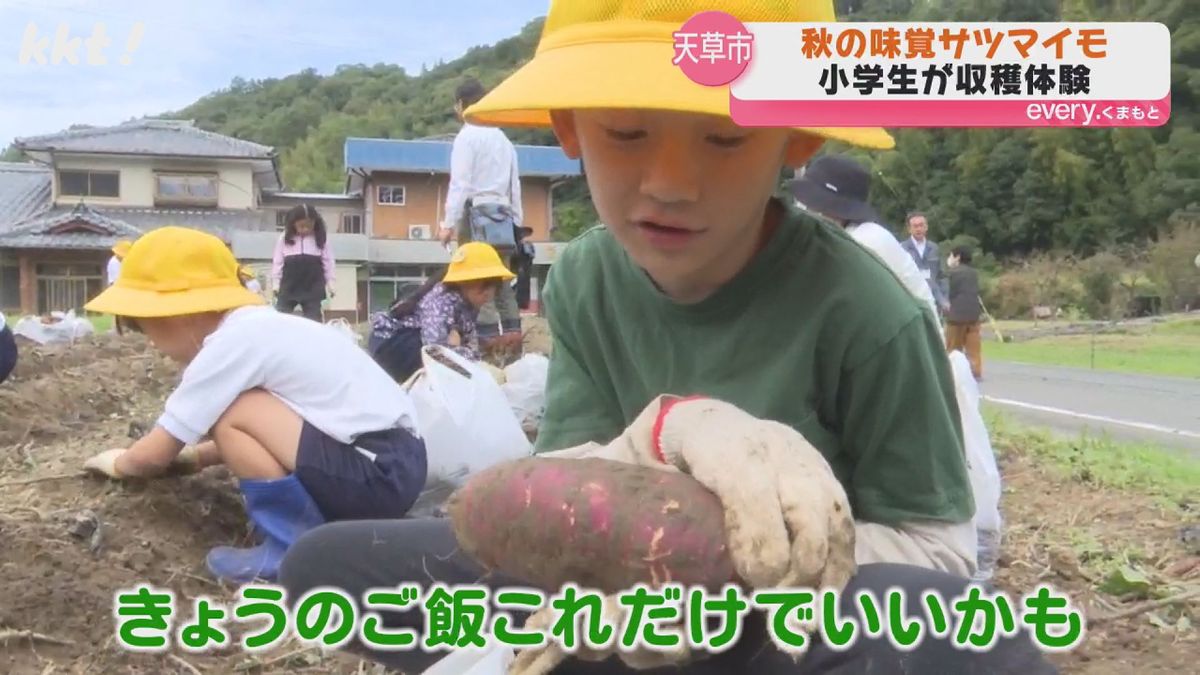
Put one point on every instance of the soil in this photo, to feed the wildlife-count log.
(69, 542)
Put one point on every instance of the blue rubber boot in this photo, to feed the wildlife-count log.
(281, 510)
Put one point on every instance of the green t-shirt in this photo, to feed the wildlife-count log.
(815, 333)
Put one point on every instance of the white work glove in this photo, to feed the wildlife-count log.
(787, 516)
(105, 463)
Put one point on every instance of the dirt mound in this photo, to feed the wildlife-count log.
(68, 388)
(1072, 535)
(35, 360)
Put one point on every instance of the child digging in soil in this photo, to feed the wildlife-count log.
(310, 439)
(442, 312)
(825, 375)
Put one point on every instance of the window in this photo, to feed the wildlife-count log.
(280, 220)
(351, 223)
(189, 189)
(391, 194)
(73, 183)
(66, 286)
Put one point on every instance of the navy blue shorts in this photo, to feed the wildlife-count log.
(380, 475)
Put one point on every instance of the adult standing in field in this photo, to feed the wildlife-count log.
(963, 319)
(925, 253)
(485, 191)
(302, 269)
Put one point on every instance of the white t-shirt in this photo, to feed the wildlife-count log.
(114, 269)
(325, 378)
(876, 238)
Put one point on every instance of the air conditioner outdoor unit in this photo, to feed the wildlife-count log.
(418, 232)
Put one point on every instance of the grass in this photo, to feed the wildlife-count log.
(1171, 475)
(101, 322)
(1172, 349)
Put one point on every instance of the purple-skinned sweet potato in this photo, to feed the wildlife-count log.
(601, 524)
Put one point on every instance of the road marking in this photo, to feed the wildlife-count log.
(1095, 418)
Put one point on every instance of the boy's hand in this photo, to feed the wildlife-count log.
(105, 463)
(787, 517)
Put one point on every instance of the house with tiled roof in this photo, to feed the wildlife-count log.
(83, 190)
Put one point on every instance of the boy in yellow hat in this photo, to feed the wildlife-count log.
(314, 430)
(826, 421)
(442, 312)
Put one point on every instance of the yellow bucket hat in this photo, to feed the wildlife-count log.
(476, 261)
(618, 53)
(173, 271)
(121, 248)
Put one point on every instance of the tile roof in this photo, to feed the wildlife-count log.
(97, 231)
(24, 192)
(383, 154)
(124, 223)
(153, 137)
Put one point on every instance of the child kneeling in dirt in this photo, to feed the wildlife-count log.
(8, 349)
(442, 312)
(310, 438)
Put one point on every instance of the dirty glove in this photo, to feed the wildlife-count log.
(787, 516)
(105, 463)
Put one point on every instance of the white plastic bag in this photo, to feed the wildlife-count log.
(525, 387)
(343, 326)
(465, 419)
(494, 659)
(68, 328)
(981, 466)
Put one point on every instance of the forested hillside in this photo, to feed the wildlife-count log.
(1014, 192)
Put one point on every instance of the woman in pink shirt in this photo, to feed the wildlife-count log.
(303, 269)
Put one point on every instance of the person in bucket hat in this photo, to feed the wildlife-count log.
(442, 312)
(836, 188)
(818, 405)
(311, 426)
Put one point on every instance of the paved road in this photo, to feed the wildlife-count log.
(1162, 410)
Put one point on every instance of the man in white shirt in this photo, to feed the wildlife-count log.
(485, 190)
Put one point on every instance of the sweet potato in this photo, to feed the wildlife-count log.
(602, 524)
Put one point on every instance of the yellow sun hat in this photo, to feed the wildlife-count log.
(618, 54)
(173, 271)
(121, 248)
(476, 261)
